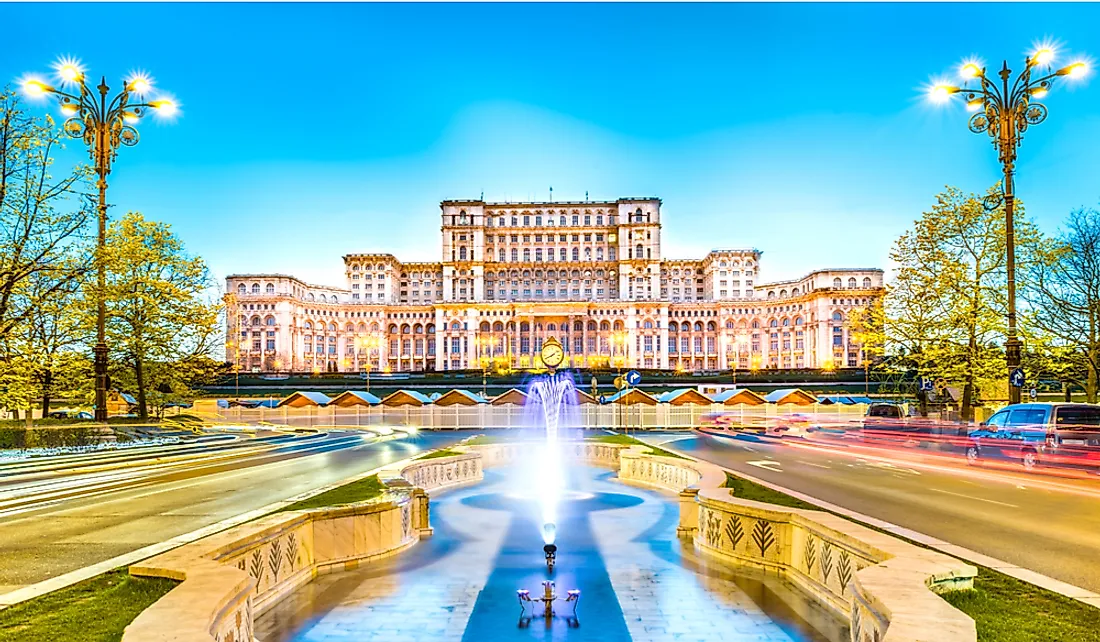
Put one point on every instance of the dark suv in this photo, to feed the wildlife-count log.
(1033, 434)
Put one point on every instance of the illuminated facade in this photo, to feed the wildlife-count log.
(513, 274)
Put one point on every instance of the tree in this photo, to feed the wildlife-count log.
(1064, 293)
(40, 217)
(944, 313)
(159, 314)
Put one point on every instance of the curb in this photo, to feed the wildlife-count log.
(72, 577)
(1018, 572)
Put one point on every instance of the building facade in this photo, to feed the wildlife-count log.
(511, 275)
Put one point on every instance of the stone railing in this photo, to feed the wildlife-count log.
(593, 453)
(229, 577)
(885, 587)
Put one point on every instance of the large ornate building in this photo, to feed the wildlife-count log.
(513, 274)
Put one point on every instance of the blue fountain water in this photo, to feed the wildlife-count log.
(551, 406)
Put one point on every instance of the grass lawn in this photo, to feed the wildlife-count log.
(627, 440)
(436, 454)
(1004, 608)
(359, 491)
(95, 610)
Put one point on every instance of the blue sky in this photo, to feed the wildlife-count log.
(311, 131)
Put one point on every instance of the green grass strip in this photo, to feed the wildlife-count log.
(95, 610)
(358, 491)
(436, 454)
(627, 440)
(1004, 608)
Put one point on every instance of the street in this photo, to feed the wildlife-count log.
(65, 513)
(1045, 524)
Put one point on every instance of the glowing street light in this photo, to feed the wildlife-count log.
(104, 125)
(1004, 111)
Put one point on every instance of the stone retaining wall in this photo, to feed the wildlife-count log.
(229, 577)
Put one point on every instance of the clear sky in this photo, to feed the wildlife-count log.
(311, 131)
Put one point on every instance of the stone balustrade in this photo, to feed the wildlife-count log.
(230, 576)
(885, 587)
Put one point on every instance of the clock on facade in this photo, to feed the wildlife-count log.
(552, 353)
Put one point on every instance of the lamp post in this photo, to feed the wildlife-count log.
(1004, 110)
(104, 125)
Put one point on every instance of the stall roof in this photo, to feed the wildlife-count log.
(791, 396)
(406, 398)
(302, 399)
(684, 397)
(739, 396)
(584, 397)
(632, 396)
(355, 398)
(459, 397)
(514, 396)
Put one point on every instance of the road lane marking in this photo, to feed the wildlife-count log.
(766, 464)
(980, 499)
(810, 463)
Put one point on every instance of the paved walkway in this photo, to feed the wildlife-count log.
(616, 543)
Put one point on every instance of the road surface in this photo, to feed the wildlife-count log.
(70, 512)
(1045, 524)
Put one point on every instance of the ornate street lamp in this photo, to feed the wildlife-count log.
(1005, 110)
(103, 125)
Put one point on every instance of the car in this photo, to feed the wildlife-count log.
(70, 414)
(1039, 434)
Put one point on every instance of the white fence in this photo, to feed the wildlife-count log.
(590, 416)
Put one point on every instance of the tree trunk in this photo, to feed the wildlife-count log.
(30, 417)
(139, 373)
(1090, 386)
(967, 412)
(922, 396)
(47, 381)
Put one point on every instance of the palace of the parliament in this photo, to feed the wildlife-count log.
(513, 274)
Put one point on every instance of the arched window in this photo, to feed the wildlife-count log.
(755, 324)
(500, 255)
(484, 327)
(638, 251)
(729, 324)
(524, 326)
(308, 325)
(837, 284)
(418, 329)
(498, 327)
(576, 254)
(550, 327)
(332, 327)
(393, 328)
(786, 322)
(592, 326)
(798, 320)
(242, 288)
(838, 317)
(852, 283)
(255, 321)
(782, 294)
(255, 288)
(270, 289)
(773, 323)
(866, 283)
(405, 329)
(455, 325)
(462, 253)
(269, 320)
(711, 327)
(698, 326)
(648, 325)
(578, 326)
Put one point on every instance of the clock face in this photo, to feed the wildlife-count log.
(552, 355)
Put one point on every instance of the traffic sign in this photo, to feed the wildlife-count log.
(633, 377)
(1017, 378)
(603, 398)
(1033, 393)
(926, 384)
(620, 383)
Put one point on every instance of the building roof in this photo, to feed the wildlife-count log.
(305, 398)
(355, 398)
(791, 396)
(584, 397)
(513, 396)
(684, 397)
(632, 396)
(458, 397)
(738, 396)
(406, 398)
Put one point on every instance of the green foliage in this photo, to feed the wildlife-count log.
(162, 325)
(19, 438)
(944, 314)
(359, 491)
(95, 610)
